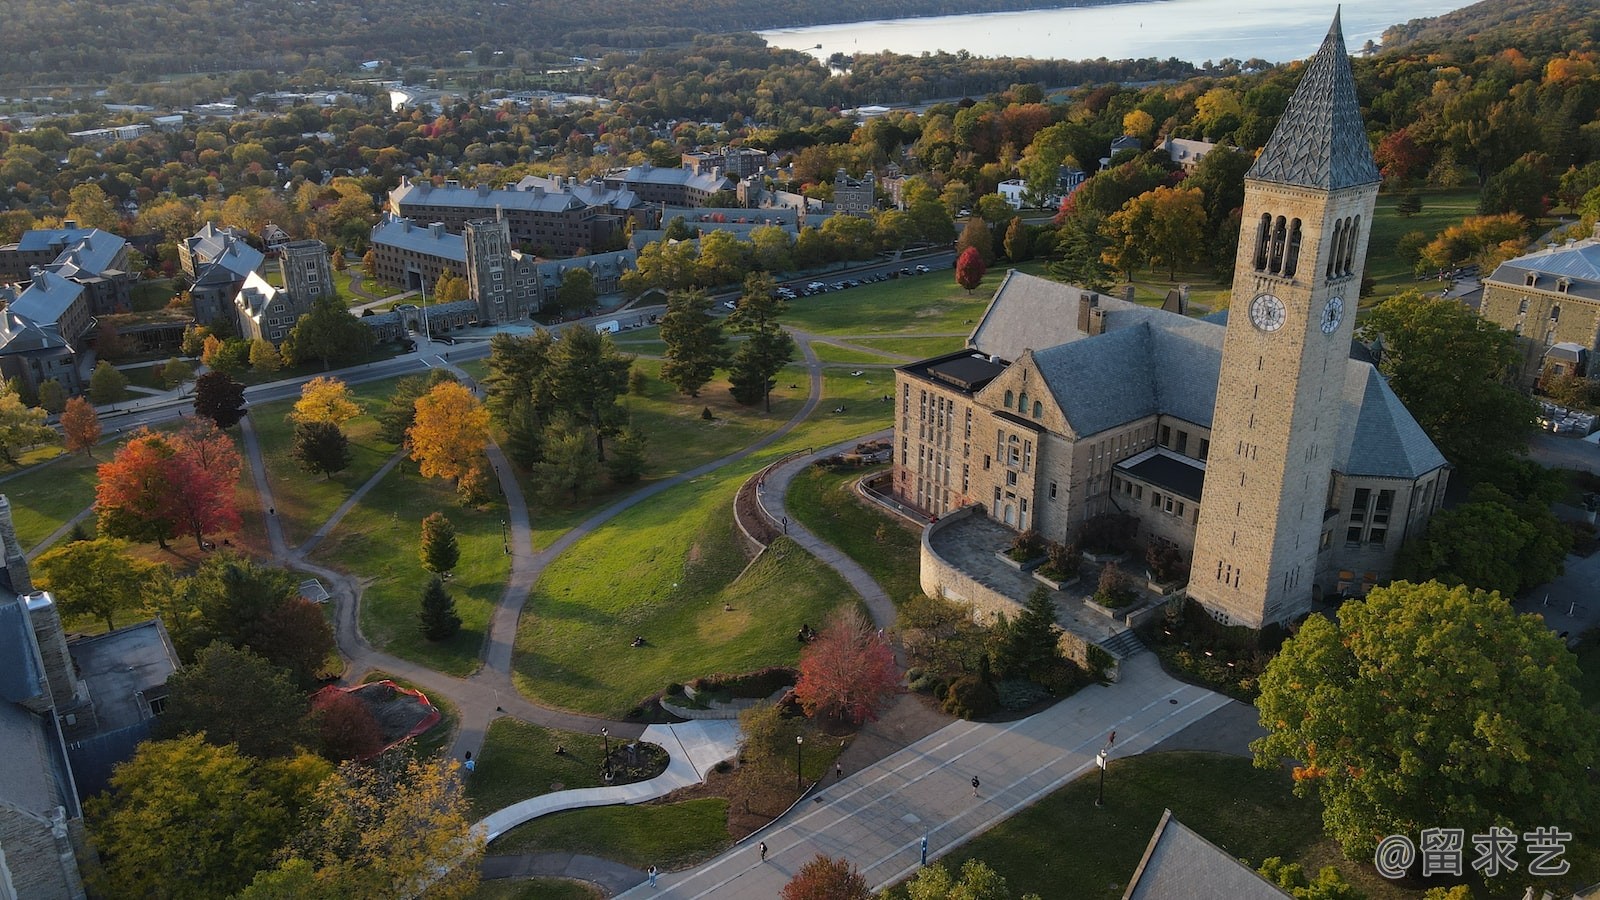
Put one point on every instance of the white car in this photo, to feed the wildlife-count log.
(729, 304)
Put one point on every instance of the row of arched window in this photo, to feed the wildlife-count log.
(1022, 404)
(1278, 245)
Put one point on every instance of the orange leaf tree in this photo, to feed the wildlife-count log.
(81, 425)
(826, 878)
(158, 486)
(848, 671)
(324, 399)
(450, 431)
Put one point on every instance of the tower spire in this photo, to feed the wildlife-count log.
(1320, 141)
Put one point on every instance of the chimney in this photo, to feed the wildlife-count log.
(52, 640)
(69, 224)
(1087, 303)
(1127, 293)
(483, 189)
(16, 559)
(436, 230)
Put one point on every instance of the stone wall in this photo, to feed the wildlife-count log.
(39, 856)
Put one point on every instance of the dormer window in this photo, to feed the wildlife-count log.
(1563, 285)
(1009, 398)
(1530, 279)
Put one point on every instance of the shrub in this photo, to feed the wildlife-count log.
(1114, 591)
(970, 698)
(1061, 561)
(1109, 533)
(1027, 545)
(1165, 561)
(1016, 693)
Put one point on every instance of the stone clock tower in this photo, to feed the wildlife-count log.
(1275, 430)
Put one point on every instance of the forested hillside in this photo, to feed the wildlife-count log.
(1537, 23)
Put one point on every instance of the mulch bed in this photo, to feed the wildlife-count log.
(400, 713)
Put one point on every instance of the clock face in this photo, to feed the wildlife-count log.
(1266, 312)
(1332, 315)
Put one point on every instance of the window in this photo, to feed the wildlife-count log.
(1038, 410)
(1205, 448)
(1183, 442)
(1333, 254)
(1522, 308)
(1292, 255)
(1263, 231)
(1022, 402)
(1353, 536)
(1166, 435)
(1279, 237)
(1555, 313)
(1009, 397)
(986, 461)
(1011, 479)
(158, 705)
(1052, 490)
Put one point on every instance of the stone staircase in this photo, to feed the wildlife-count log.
(1123, 644)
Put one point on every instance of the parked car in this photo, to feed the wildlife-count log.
(922, 270)
(730, 304)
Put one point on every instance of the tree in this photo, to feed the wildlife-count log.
(586, 376)
(1519, 188)
(568, 469)
(438, 616)
(388, 829)
(52, 396)
(400, 410)
(627, 462)
(176, 372)
(80, 424)
(369, 263)
(229, 695)
(696, 346)
(577, 292)
(1018, 244)
(524, 442)
(346, 725)
(324, 399)
(1162, 226)
(157, 486)
(1328, 885)
(204, 471)
(450, 432)
(518, 373)
(826, 878)
(94, 578)
(450, 288)
(1494, 542)
(188, 819)
(1409, 204)
(969, 269)
(219, 398)
(264, 357)
(1491, 730)
(107, 384)
(439, 551)
(326, 332)
(1399, 157)
(975, 234)
(1453, 371)
(848, 671)
(321, 448)
(769, 348)
(977, 882)
(88, 205)
(1030, 645)
(194, 340)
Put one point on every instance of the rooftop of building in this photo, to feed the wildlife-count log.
(122, 669)
(484, 197)
(964, 370)
(1179, 864)
(430, 240)
(47, 298)
(1169, 471)
(1576, 261)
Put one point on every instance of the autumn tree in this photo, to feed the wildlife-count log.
(767, 348)
(325, 333)
(321, 448)
(976, 235)
(450, 288)
(1485, 240)
(969, 269)
(826, 878)
(399, 411)
(1399, 157)
(346, 725)
(1492, 730)
(80, 424)
(438, 616)
(94, 578)
(52, 396)
(451, 430)
(229, 695)
(324, 399)
(157, 486)
(107, 384)
(194, 340)
(1018, 244)
(1165, 226)
(696, 346)
(586, 376)
(439, 550)
(848, 672)
(185, 818)
(264, 357)
(577, 292)
(219, 398)
(975, 881)
(176, 372)
(388, 829)
(88, 205)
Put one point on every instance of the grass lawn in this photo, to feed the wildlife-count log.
(861, 396)
(832, 353)
(519, 761)
(1064, 846)
(1440, 209)
(923, 304)
(826, 503)
(919, 347)
(537, 889)
(48, 495)
(666, 835)
(148, 295)
(665, 570)
(304, 502)
(378, 353)
(378, 542)
(145, 377)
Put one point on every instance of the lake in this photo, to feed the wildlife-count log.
(1192, 30)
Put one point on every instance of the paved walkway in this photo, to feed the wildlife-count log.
(876, 817)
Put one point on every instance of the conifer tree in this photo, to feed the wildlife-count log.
(438, 616)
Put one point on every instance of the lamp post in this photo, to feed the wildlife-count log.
(605, 767)
(1100, 760)
(799, 741)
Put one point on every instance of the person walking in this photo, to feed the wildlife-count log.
(651, 872)
(974, 785)
(838, 771)
(924, 849)
(763, 851)
(469, 763)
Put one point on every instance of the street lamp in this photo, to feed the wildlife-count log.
(798, 743)
(605, 767)
(1100, 760)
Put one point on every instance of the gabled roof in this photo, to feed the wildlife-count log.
(482, 197)
(48, 238)
(1032, 312)
(46, 299)
(95, 253)
(257, 294)
(1388, 441)
(20, 335)
(1179, 864)
(1320, 142)
(393, 231)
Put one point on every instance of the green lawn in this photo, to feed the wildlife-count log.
(47, 494)
(919, 347)
(832, 353)
(144, 376)
(665, 570)
(152, 294)
(669, 836)
(826, 503)
(519, 761)
(304, 502)
(537, 889)
(1440, 209)
(861, 396)
(378, 542)
(923, 304)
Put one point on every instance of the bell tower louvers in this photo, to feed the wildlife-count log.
(1302, 247)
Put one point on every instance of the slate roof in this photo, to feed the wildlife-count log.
(592, 193)
(257, 294)
(46, 238)
(1179, 864)
(1579, 262)
(94, 252)
(1320, 141)
(393, 231)
(22, 335)
(1029, 312)
(482, 197)
(1388, 442)
(648, 174)
(46, 299)
(22, 675)
(613, 262)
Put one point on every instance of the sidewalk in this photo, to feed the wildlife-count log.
(875, 818)
(694, 747)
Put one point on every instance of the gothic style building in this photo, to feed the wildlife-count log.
(1261, 441)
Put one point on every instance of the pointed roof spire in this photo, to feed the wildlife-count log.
(1320, 141)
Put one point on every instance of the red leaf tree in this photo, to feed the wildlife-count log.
(81, 425)
(848, 671)
(970, 269)
(348, 728)
(159, 486)
(826, 878)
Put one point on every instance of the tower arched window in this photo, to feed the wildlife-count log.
(1291, 257)
(1263, 232)
(1279, 236)
(1334, 246)
(1350, 245)
(1022, 403)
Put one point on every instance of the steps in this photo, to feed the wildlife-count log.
(1123, 645)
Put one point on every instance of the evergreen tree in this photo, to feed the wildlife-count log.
(627, 462)
(1030, 643)
(524, 435)
(586, 375)
(518, 371)
(1018, 243)
(438, 616)
(696, 346)
(321, 448)
(568, 470)
(769, 348)
(440, 552)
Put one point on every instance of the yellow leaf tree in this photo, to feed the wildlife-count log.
(450, 431)
(324, 399)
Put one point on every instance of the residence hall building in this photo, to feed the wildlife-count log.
(1262, 442)
(555, 222)
(264, 310)
(1551, 300)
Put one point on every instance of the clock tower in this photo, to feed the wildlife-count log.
(1275, 429)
